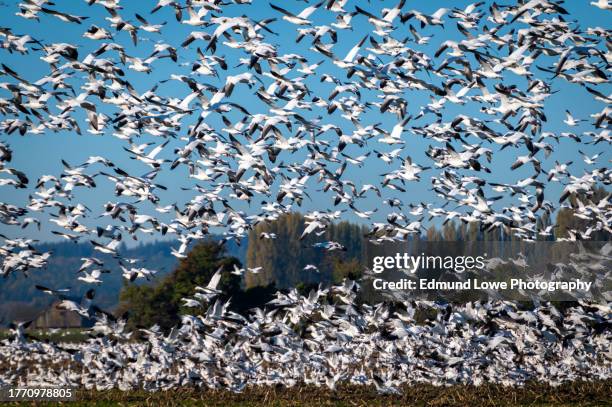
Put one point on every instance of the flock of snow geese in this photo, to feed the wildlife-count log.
(263, 109)
(315, 340)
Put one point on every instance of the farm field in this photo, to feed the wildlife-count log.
(532, 394)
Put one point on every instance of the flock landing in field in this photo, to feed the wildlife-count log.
(311, 340)
(271, 106)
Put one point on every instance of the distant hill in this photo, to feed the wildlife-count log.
(20, 300)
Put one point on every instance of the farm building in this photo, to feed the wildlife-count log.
(54, 317)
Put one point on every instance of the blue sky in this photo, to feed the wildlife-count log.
(41, 154)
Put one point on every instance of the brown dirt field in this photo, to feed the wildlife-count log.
(532, 394)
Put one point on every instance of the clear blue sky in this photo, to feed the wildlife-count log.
(41, 154)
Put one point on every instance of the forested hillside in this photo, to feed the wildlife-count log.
(276, 246)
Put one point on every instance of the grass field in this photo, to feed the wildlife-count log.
(571, 394)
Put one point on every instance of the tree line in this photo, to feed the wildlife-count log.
(277, 249)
